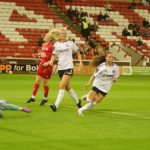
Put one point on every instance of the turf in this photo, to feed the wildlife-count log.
(120, 122)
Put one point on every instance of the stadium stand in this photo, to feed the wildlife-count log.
(121, 17)
(23, 21)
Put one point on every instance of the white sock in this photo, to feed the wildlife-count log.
(59, 97)
(33, 97)
(74, 96)
(45, 98)
(88, 106)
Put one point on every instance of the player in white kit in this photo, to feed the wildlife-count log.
(105, 74)
(64, 49)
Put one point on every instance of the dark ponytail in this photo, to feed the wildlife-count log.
(97, 60)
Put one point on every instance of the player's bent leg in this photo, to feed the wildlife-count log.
(80, 112)
(91, 97)
(86, 107)
(99, 98)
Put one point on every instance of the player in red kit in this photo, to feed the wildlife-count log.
(44, 72)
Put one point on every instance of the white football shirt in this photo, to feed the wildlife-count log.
(103, 76)
(64, 51)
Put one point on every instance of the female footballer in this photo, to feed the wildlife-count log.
(44, 72)
(106, 73)
(63, 50)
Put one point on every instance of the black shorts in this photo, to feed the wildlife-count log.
(68, 72)
(98, 91)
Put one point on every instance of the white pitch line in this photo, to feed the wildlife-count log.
(128, 114)
(117, 113)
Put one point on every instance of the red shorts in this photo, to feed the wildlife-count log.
(44, 72)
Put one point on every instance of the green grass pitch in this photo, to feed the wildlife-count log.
(120, 122)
